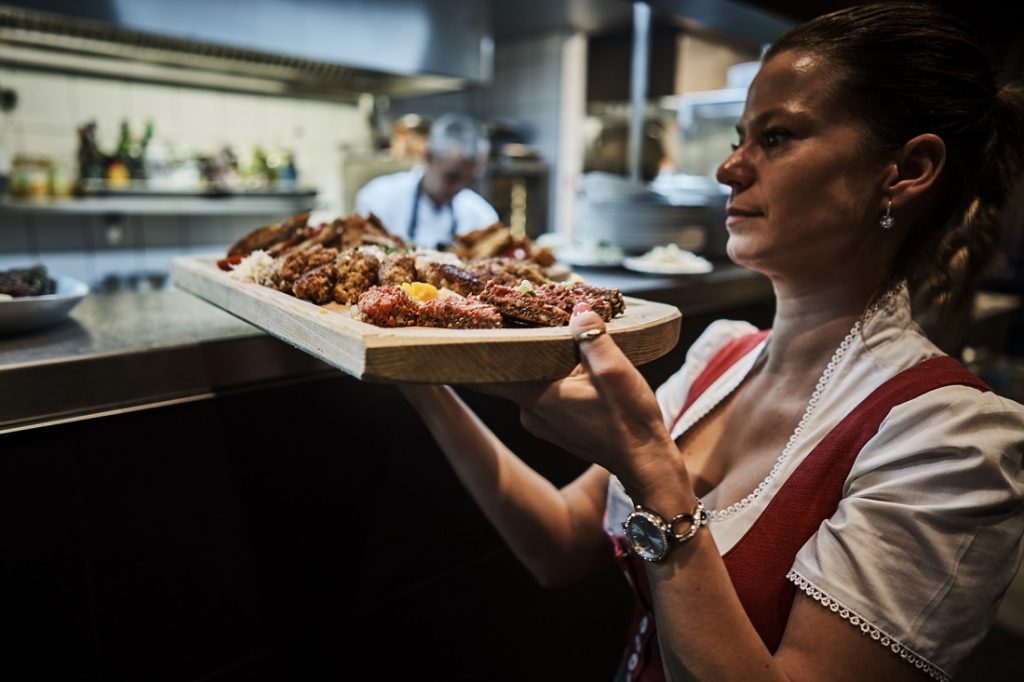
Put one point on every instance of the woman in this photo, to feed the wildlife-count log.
(834, 499)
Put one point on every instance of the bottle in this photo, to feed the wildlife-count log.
(92, 163)
(137, 153)
(118, 174)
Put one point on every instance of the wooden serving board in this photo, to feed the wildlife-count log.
(646, 331)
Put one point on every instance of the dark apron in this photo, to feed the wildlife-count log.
(414, 220)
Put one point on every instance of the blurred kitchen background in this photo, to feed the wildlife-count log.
(132, 132)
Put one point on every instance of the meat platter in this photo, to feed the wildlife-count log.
(645, 331)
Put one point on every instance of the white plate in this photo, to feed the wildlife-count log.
(654, 267)
(594, 259)
(31, 312)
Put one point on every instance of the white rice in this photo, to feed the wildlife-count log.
(255, 268)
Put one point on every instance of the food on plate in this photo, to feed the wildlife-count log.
(605, 302)
(290, 231)
(499, 241)
(391, 306)
(423, 292)
(388, 307)
(523, 307)
(669, 259)
(20, 282)
(456, 278)
(354, 260)
(257, 267)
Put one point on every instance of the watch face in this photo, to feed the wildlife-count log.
(646, 535)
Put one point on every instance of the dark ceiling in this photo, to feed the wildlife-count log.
(1000, 33)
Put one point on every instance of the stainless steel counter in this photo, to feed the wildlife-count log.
(132, 350)
(126, 351)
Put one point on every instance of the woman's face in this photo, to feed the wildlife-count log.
(805, 191)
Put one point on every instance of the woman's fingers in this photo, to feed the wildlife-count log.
(599, 354)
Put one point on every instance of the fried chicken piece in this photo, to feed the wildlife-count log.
(317, 285)
(291, 230)
(288, 269)
(523, 308)
(445, 275)
(397, 268)
(456, 312)
(356, 273)
(387, 306)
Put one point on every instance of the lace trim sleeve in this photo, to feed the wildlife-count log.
(867, 629)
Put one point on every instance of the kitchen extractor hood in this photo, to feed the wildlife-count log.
(315, 48)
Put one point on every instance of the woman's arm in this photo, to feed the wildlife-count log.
(606, 414)
(556, 533)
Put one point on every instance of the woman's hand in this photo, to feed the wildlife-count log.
(603, 412)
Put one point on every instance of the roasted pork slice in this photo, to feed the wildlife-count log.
(447, 276)
(291, 230)
(456, 312)
(317, 285)
(288, 269)
(356, 272)
(387, 306)
(397, 268)
(523, 308)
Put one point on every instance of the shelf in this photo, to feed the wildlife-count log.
(249, 204)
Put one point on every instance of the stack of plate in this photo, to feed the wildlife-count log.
(634, 218)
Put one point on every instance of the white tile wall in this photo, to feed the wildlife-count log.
(51, 107)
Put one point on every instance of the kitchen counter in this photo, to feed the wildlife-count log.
(126, 351)
(130, 350)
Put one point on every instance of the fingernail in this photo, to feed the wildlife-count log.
(581, 308)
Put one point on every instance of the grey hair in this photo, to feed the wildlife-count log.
(457, 135)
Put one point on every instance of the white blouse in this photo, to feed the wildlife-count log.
(928, 535)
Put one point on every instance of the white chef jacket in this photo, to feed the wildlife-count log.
(928, 535)
(391, 198)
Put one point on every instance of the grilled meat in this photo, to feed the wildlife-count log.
(459, 280)
(288, 269)
(388, 307)
(455, 312)
(523, 308)
(317, 285)
(612, 296)
(292, 230)
(397, 268)
(356, 272)
(508, 271)
(566, 297)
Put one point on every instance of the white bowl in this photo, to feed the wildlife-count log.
(31, 312)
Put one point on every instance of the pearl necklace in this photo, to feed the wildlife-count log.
(812, 405)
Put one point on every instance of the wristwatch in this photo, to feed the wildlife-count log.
(652, 538)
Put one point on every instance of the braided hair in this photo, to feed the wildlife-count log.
(908, 69)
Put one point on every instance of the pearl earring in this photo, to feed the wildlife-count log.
(887, 220)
